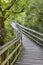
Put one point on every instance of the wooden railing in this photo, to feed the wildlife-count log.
(10, 51)
(34, 35)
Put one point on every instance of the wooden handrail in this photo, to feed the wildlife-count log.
(28, 29)
(5, 49)
(34, 34)
(32, 38)
(5, 45)
(5, 61)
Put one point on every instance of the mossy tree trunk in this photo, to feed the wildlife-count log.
(2, 39)
(2, 31)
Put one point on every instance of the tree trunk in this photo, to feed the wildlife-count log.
(2, 32)
(2, 40)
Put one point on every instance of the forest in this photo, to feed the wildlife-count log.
(28, 13)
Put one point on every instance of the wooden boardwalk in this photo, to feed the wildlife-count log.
(32, 54)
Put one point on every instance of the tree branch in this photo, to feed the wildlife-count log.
(1, 10)
(18, 12)
(10, 5)
(7, 15)
(14, 13)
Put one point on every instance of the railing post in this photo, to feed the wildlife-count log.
(21, 39)
(0, 60)
(16, 33)
(7, 54)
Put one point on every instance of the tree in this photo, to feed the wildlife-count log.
(5, 12)
(3, 17)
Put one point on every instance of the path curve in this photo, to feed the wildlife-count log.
(32, 54)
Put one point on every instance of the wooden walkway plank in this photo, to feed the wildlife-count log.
(32, 54)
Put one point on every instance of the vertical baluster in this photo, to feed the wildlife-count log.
(21, 39)
(7, 54)
(0, 60)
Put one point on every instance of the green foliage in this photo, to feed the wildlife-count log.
(9, 32)
(27, 12)
(33, 17)
(4, 3)
(21, 18)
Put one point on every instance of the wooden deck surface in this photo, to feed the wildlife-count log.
(32, 54)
